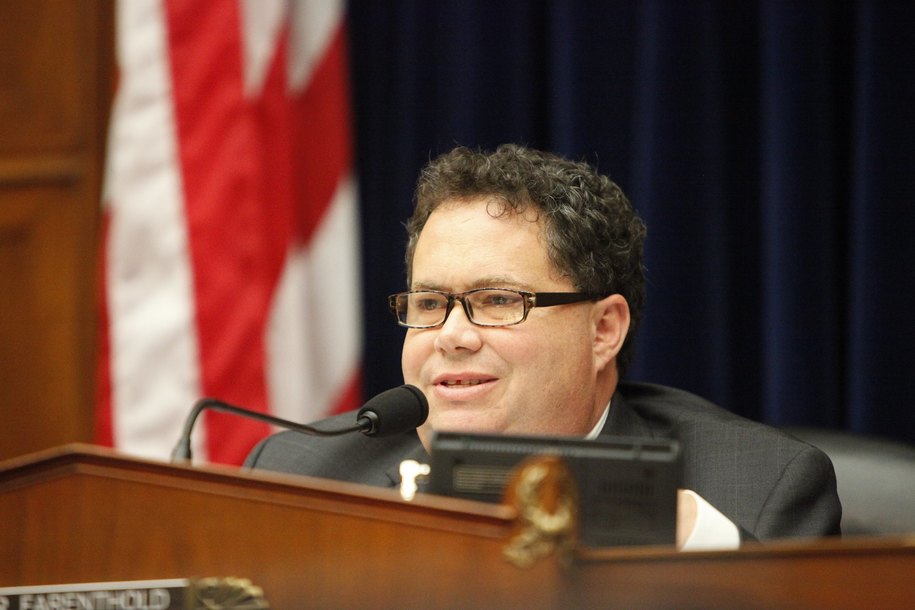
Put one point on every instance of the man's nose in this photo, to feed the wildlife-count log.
(458, 332)
(458, 310)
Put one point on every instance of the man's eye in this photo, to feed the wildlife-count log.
(427, 304)
(500, 300)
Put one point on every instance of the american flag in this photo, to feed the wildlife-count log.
(231, 261)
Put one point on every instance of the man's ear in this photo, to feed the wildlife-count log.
(611, 325)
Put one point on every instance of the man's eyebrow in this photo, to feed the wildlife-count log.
(426, 286)
(498, 281)
(493, 281)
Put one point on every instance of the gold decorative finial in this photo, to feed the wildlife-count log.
(226, 594)
(544, 494)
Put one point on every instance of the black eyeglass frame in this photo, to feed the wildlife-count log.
(529, 301)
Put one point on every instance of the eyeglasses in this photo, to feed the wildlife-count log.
(483, 306)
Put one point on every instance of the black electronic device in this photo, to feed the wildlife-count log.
(627, 487)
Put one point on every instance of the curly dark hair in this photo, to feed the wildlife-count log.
(594, 236)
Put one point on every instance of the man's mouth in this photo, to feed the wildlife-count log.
(462, 382)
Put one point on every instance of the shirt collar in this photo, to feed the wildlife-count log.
(595, 431)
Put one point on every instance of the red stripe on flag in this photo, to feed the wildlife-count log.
(272, 112)
(323, 135)
(235, 259)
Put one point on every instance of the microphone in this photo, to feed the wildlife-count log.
(393, 411)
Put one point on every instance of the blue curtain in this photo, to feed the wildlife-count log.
(769, 146)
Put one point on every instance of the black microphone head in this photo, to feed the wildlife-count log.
(394, 411)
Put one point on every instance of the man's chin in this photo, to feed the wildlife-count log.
(454, 424)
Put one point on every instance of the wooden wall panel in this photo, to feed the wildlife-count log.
(42, 48)
(56, 74)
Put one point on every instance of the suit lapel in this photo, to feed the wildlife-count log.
(622, 420)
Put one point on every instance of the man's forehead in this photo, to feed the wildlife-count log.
(486, 212)
(479, 243)
(495, 205)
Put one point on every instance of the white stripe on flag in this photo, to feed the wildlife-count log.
(262, 22)
(154, 372)
(313, 24)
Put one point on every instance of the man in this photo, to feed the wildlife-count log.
(526, 283)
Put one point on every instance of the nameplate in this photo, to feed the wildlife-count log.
(172, 594)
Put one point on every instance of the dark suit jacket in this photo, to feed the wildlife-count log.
(767, 482)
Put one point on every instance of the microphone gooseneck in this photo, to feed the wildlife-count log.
(391, 412)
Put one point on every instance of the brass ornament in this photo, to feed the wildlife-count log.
(226, 594)
(545, 496)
